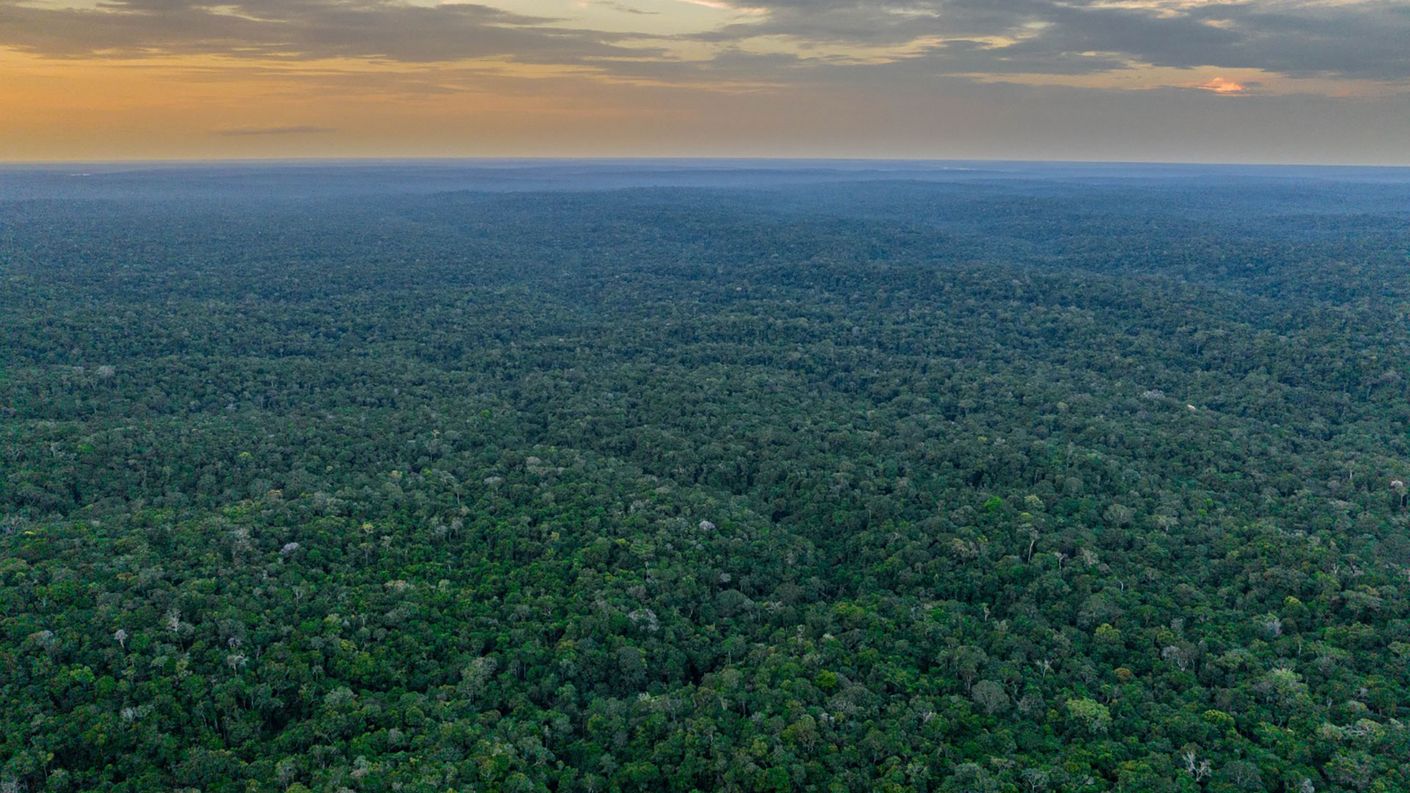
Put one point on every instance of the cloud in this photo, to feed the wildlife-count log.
(298, 29)
(1219, 85)
(756, 41)
(1347, 39)
(624, 8)
(236, 132)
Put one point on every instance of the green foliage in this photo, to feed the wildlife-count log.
(1089, 715)
(976, 486)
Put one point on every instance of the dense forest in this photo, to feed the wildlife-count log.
(974, 482)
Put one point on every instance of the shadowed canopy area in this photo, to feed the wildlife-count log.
(1257, 80)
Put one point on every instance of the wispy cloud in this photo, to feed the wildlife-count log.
(1220, 85)
(1323, 39)
(299, 30)
(625, 8)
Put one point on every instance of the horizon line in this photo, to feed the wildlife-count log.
(646, 159)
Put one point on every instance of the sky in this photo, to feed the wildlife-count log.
(1283, 81)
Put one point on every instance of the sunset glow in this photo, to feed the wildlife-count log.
(1219, 85)
(177, 79)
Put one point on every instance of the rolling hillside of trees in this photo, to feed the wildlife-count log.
(979, 483)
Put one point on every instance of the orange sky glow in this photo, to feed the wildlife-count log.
(1140, 79)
